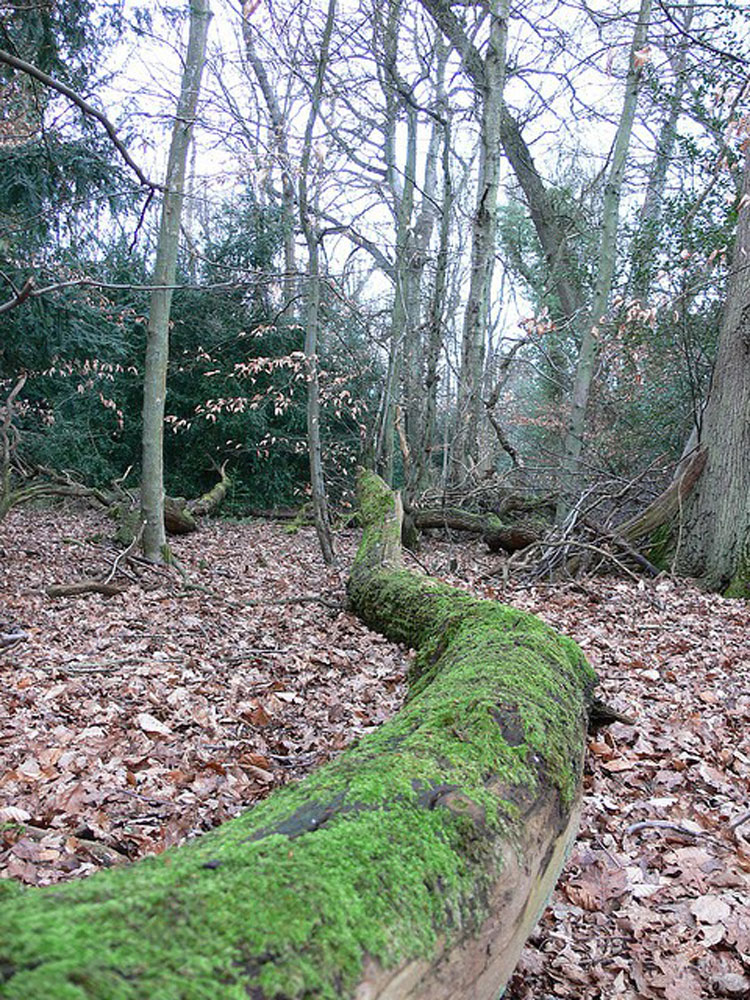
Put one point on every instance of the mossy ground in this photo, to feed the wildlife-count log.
(383, 852)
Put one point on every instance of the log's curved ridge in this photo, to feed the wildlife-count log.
(412, 866)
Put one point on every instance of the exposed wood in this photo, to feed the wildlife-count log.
(665, 507)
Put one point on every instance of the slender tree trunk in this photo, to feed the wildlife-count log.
(549, 227)
(401, 184)
(312, 305)
(426, 334)
(488, 78)
(165, 269)
(288, 192)
(647, 239)
(403, 194)
(317, 478)
(590, 339)
(713, 530)
(484, 230)
(435, 316)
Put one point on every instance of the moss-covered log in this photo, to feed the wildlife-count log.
(214, 498)
(412, 866)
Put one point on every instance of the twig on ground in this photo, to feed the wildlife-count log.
(740, 820)
(125, 553)
(82, 587)
(664, 824)
(587, 546)
(418, 561)
(10, 639)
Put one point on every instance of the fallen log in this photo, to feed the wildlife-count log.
(178, 520)
(412, 866)
(179, 513)
(496, 534)
(213, 498)
(667, 506)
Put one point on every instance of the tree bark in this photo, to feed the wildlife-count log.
(414, 224)
(312, 304)
(714, 537)
(497, 535)
(165, 270)
(488, 77)
(646, 242)
(413, 866)
(402, 185)
(435, 333)
(279, 129)
(549, 227)
(590, 337)
(666, 508)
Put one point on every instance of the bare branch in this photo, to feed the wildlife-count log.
(19, 297)
(88, 109)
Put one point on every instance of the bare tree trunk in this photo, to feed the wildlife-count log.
(288, 192)
(436, 309)
(165, 269)
(646, 241)
(589, 347)
(484, 229)
(713, 531)
(403, 194)
(401, 185)
(549, 227)
(425, 335)
(312, 304)
(488, 77)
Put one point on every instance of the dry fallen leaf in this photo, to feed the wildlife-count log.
(710, 909)
(150, 725)
(14, 814)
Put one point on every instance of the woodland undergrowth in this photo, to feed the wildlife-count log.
(129, 723)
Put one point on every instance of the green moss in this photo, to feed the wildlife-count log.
(386, 851)
(376, 500)
(661, 547)
(740, 583)
(302, 519)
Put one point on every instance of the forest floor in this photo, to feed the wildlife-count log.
(132, 722)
